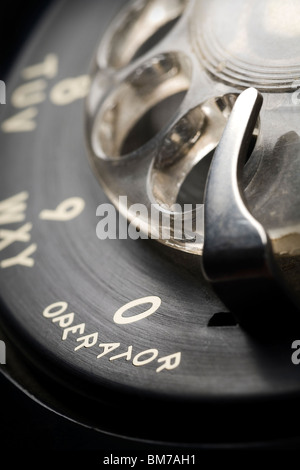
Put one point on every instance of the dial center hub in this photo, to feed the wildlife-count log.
(249, 43)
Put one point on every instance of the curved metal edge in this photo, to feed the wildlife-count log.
(237, 253)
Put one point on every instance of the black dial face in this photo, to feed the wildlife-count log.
(124, 335)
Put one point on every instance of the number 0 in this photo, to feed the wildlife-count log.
(118, 316)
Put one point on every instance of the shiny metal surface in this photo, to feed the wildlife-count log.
(237, 253)
(180, 65)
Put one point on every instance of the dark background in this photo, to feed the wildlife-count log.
(17, 18)
(24, 424)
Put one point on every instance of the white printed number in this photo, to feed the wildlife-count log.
(13, 210)
(122, 320)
